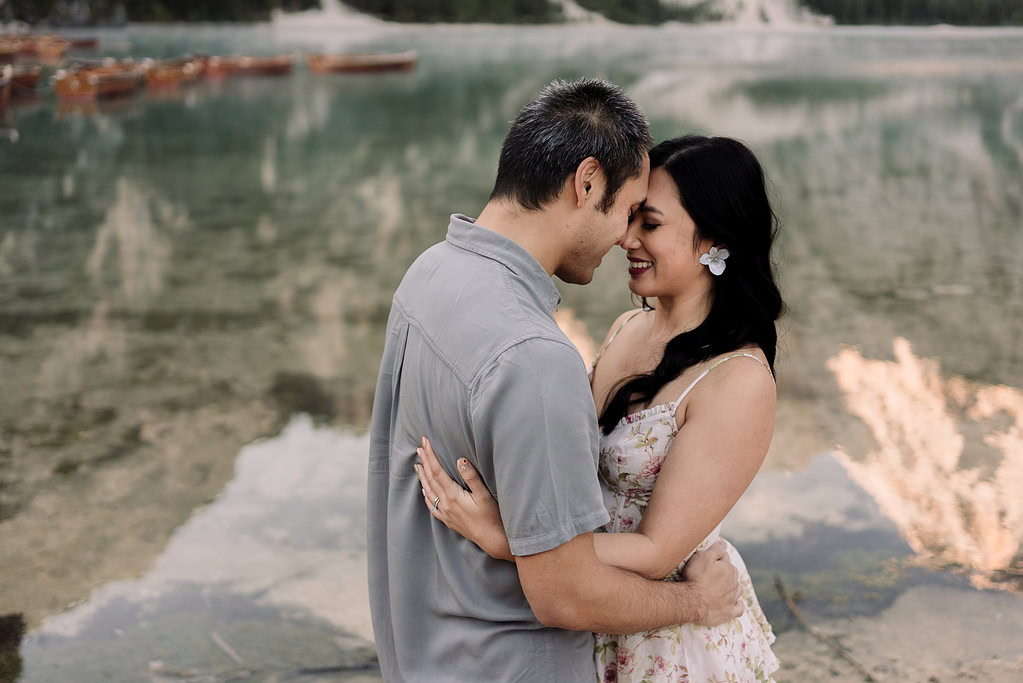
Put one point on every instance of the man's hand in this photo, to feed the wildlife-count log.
(716, 585)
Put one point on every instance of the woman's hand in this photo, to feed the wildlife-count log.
(473, 513)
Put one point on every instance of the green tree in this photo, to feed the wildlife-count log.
(500, 11)
(963, 12)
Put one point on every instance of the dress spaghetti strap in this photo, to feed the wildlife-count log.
(593, 365)
(705, 372)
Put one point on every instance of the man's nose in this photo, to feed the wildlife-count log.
(626, 240)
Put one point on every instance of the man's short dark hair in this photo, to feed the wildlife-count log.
(566, 123)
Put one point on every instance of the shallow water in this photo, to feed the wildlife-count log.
(193, 288)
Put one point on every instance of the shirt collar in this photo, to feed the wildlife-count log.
(465, 234)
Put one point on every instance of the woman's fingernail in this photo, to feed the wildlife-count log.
(415, 466)
(423, 441)
(463, 464)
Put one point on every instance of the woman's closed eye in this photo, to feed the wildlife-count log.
(650, 226)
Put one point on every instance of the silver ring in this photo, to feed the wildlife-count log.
(436, 502)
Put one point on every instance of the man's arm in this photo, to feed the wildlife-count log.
(536, 441)
(707, 596)
(568, 587)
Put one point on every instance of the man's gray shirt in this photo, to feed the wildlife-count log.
(475, 361)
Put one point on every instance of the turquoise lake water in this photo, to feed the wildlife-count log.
(194, 286)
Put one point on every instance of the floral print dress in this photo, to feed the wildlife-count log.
(739, 650)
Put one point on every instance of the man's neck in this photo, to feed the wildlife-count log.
(534, 231)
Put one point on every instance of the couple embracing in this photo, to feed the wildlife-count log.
(484, 564)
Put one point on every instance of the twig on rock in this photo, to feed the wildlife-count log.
(830, 641)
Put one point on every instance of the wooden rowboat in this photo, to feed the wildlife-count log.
(8, 50)
(26, 44)
(52, 47)
(6, 81)
(85, 43)
(281, 65)
(25, 78)
(173, 73)
(47, 47)
(361, 62)
(87, 83)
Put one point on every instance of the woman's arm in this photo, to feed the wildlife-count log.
(723, 440)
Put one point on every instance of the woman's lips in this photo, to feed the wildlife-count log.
(637, 268)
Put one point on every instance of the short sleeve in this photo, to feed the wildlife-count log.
(535, 429)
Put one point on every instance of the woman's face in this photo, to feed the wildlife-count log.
(663, 258)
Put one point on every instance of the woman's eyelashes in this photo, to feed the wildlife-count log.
(650, 226)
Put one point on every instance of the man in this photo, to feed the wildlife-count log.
(474, 360)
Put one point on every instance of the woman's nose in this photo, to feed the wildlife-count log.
(629, 240)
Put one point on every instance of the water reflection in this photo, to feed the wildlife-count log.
(177, 279)
(947, 463)
(142, 252)
(274, 567)
(268, 169)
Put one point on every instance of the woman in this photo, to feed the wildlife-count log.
(687, 399)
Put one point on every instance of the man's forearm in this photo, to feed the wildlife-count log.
(622, 602)
(612, 600)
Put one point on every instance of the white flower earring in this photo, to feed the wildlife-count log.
(715, 260)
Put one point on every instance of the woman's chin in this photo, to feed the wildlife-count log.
(639, 290)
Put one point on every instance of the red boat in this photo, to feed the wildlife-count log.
(87, 83)
(26, 44)
(361, 62)
(25, 78)
(8, 50)
(281, 65)
(172, 73)
(85, 43)
(47, 47)
(6, 81)
(52, 48)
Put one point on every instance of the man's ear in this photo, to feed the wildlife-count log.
(588, 181)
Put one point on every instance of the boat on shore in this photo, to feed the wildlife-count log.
(173, 73)
(220, 67)
(88, 83)
(361, 62)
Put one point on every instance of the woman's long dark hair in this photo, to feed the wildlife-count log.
(721, 185)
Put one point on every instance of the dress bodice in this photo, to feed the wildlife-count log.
(631, 456)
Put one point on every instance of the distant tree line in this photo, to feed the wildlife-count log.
(652, 11)
(962, 12)
(497, 11)
(969, 12)
(116, 11)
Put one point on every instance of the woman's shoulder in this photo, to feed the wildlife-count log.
(732, 384)
(742, 370)
(627, 316)
(620, 322)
